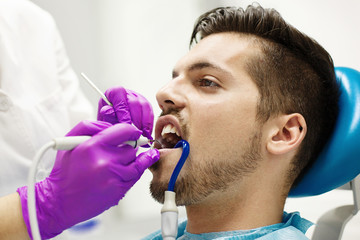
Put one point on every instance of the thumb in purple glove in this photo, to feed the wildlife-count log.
(128, 107)
(89, 179)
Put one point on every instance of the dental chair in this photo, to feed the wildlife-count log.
(339, 163)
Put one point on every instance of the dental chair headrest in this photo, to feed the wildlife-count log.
(339, 162)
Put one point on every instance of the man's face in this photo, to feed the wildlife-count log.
(210, 102)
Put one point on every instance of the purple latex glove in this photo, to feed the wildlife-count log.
(89, 179)
(128, 107)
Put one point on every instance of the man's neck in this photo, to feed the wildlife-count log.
(228, 212)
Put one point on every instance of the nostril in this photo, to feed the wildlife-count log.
(169, 102)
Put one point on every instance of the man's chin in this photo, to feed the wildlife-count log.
(184, 195)
(157, 190)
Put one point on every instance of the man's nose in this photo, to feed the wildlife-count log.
(172, 95)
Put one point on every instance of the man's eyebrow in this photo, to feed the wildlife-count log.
(202, 65)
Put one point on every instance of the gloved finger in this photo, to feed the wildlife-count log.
(122, 113)
(88, 128)
(118, 97)
(107, 114)
(127, 174)
(101, 105)
(141, 112)
(146, 159)
(118, 134)
(125, 154)
(134, 171)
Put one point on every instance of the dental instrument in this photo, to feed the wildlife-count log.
(61, 143)
(169, 211)
(102, 95)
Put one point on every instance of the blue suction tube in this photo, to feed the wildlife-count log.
(185, 153)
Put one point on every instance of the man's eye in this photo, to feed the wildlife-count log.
(207, 83)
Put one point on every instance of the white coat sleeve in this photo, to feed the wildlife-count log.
(78, 106)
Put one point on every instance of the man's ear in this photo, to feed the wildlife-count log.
(287, 133)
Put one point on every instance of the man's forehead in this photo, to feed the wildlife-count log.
(218, 49)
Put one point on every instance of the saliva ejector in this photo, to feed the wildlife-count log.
(169, 211)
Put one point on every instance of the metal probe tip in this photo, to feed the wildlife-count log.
(152, 143)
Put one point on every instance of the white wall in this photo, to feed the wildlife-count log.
(136, 44)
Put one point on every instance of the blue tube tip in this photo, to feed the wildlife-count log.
(185, 153)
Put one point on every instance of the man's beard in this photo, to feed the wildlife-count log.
(205, 176)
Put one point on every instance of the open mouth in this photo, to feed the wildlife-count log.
(167, 132)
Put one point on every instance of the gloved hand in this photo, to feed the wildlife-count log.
(89, 179)
(128, 107)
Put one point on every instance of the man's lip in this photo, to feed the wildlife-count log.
(163, 121)
(164, 151)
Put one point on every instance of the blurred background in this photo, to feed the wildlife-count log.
(136, 44)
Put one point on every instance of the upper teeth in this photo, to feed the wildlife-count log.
(169, 128)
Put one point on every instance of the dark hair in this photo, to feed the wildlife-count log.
(293, 73)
